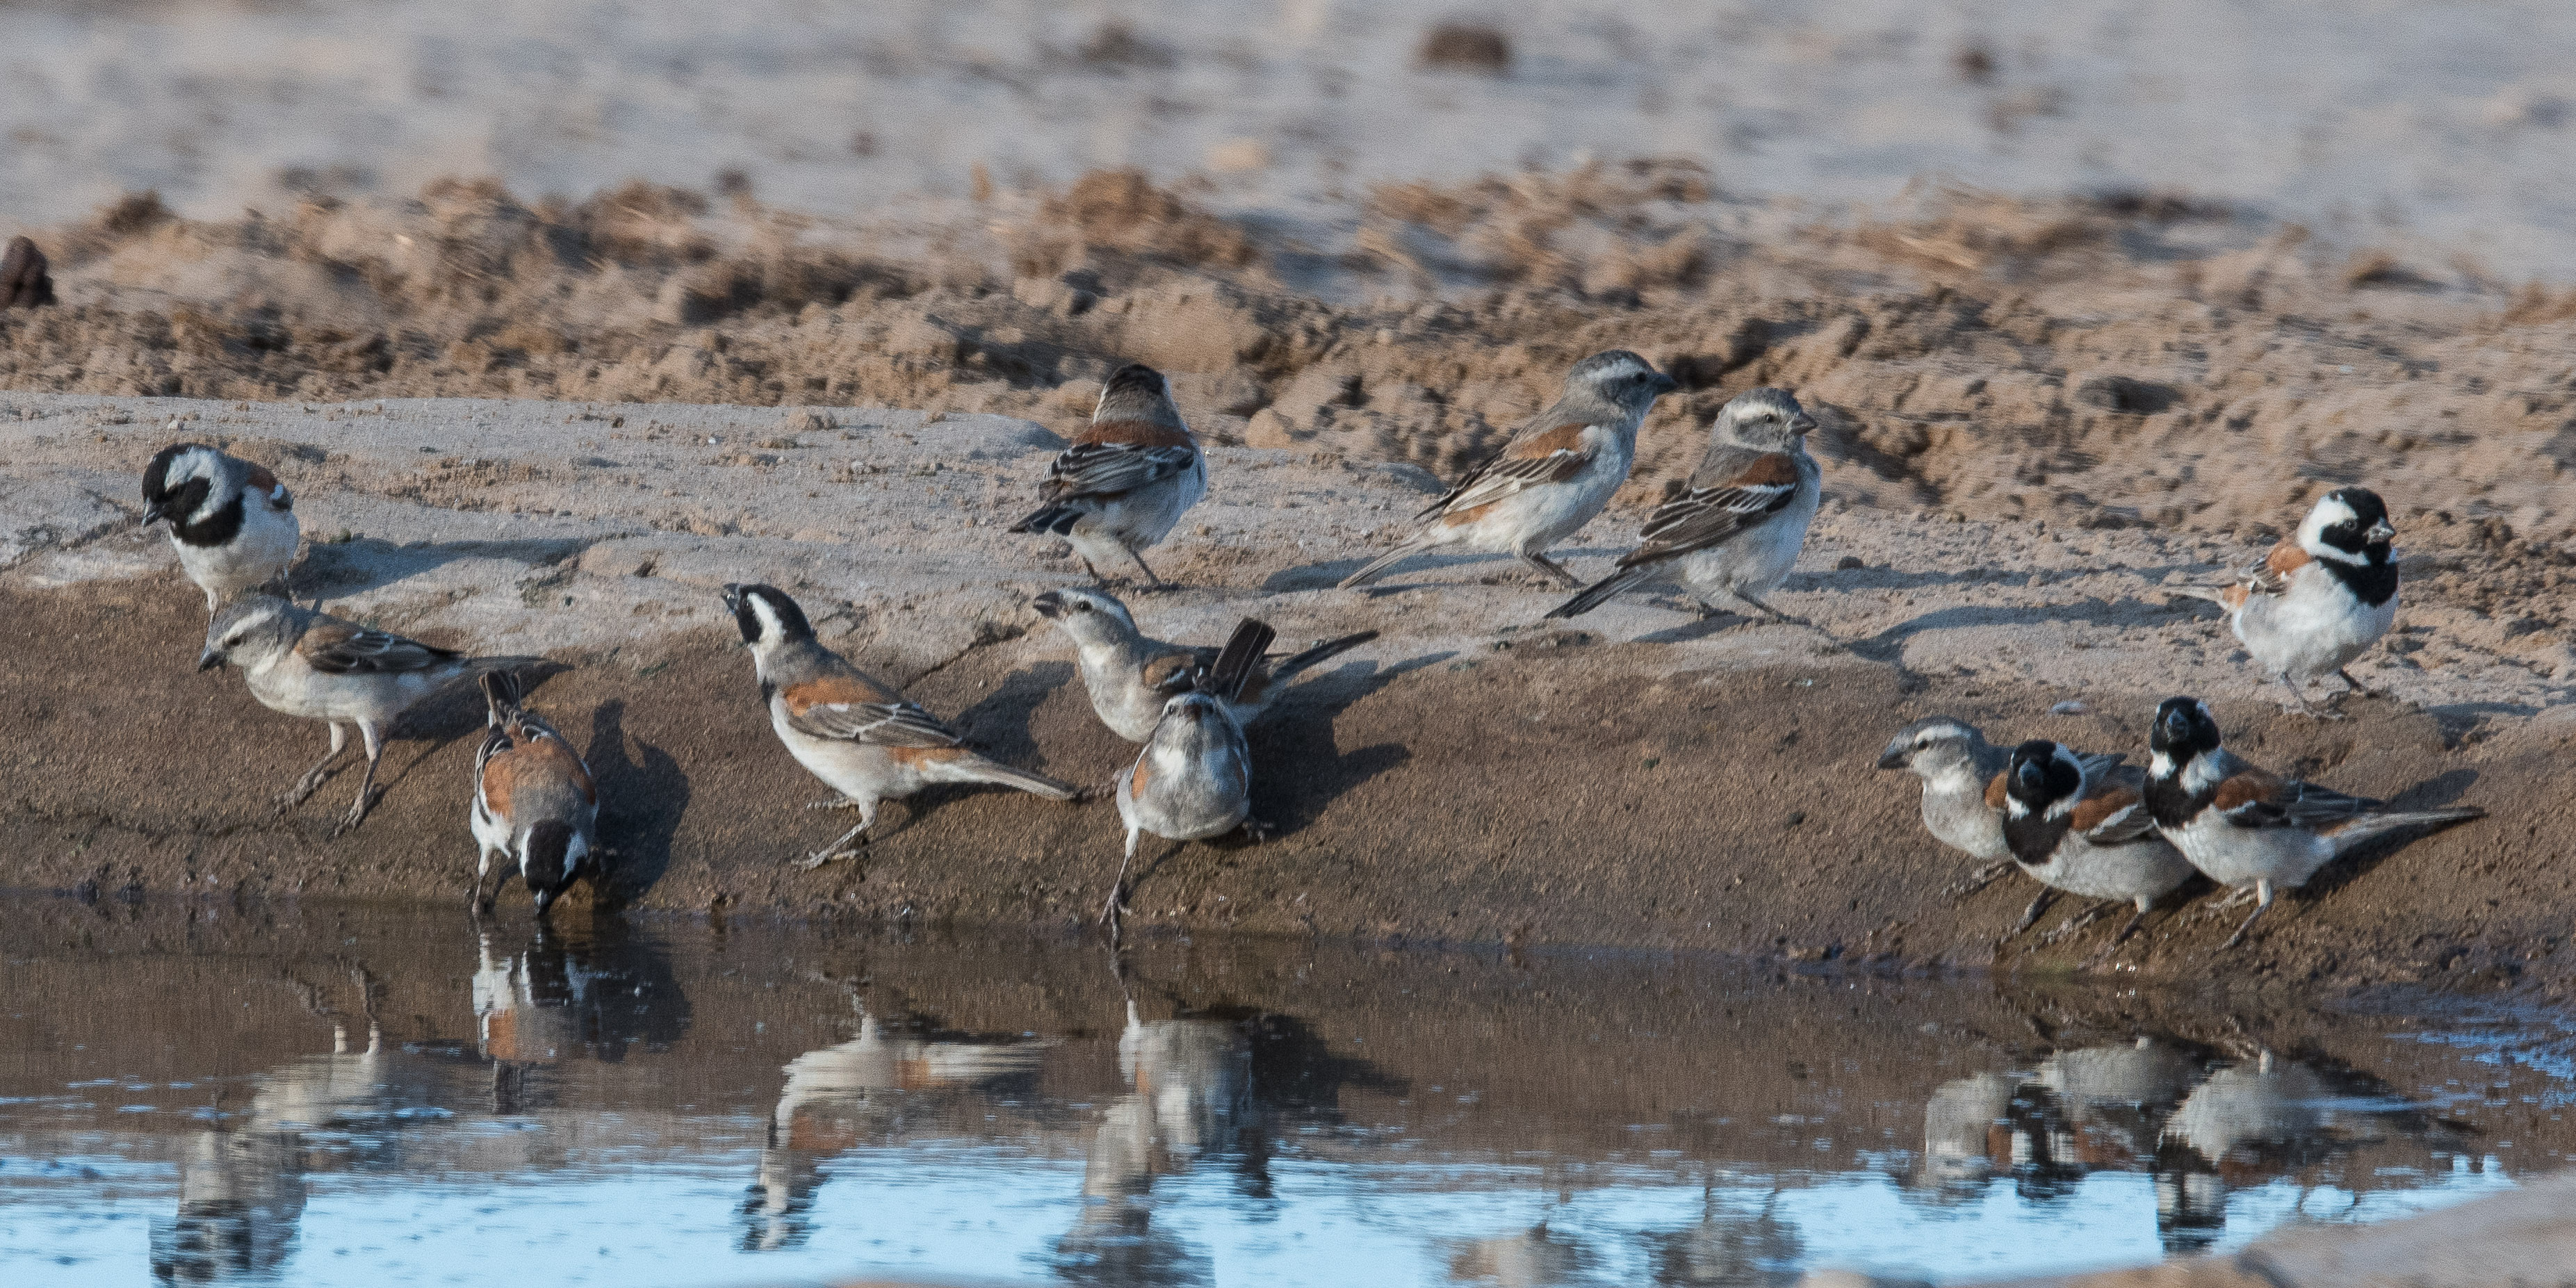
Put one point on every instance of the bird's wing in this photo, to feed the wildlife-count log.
(335, 647)
(1177, 671)
(2254, 798)
(2272, 576)
(1553, 455)
(1709, 516)
(264, 485)
(1108, 469)
(851, 707)
(2112, 816)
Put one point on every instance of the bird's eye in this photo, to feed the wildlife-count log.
(1081, 607)
(233, 642)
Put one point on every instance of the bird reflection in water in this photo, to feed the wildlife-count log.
(581, 992)
(862, 1090)
(1209, 1085)
(588, 993)
(1730, 1247)
(242, 1187)
(2200, 1121)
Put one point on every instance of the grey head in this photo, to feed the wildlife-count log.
(1089, 616)
(1618, 378)
(1936, 746)
(1138, 392)
(1766, 419)
(250, 631)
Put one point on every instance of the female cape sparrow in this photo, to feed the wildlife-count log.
(1553, 476)
(1126, 480)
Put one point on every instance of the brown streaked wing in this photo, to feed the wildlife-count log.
(2112, 816)
(1109, 469)
(848, 705)
(1710, 516)
(335, 647)
(2272, 576)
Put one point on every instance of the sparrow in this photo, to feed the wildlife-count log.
(1126, 480)
(535, 803)
(2321, 598)
(232, 522)
(306, 663)
(1131, 676)
(1555, 474)
(2084, 829)
(1957, 766)
(1193, 780)
(1734, 534)
(2249, 828)
(850, 729)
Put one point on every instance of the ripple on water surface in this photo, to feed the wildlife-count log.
(319, 1096)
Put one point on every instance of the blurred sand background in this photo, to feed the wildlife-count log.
(2368, 122)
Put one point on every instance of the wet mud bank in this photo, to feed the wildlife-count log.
(1636, 778)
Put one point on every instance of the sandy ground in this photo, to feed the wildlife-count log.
(2390, 122)
(1638, 777)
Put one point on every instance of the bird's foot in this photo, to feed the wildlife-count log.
(1978, 880)
(2068, 928)
(837, 802)
(1116, 908)
(820, 857)
(1256, 831)
(357, 814)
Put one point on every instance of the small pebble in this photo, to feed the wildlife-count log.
(2070, 707)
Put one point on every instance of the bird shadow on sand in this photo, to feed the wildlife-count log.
(642, 798)
(1889, 645)
(339, 569)
(2437, 792)
(1421, 572)
(1297, 771)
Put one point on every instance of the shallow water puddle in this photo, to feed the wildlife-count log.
(362, 1096)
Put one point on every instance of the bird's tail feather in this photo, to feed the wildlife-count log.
(1240, 657)
(1056, 519)
(1377, 567)
(1324, 652)
(502, 693)
(977, 769)
(2370, 827)
(1599, 592)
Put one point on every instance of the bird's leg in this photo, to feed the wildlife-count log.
(837, 802)
(2299, 702)
(1770, 612)
(482, 868)
(1539, 560)
(2136, 919)
(2262, 902)
(1978, 880)
(2352, 685)
(1096, 578)
(2030, 914)
(1152, 582)
(2076, 923)
(312, 779)
(1118, 888)
(1256, 831)
(367, 784)
(867, 816)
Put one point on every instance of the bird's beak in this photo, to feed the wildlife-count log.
(545, 899)
(1802, 423)
(1049, 605)
(2177, 726)
(153, 514)
(2379, 532)
(2032, 776)
(1892, 758)
(209, 660)
(1665, 384)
